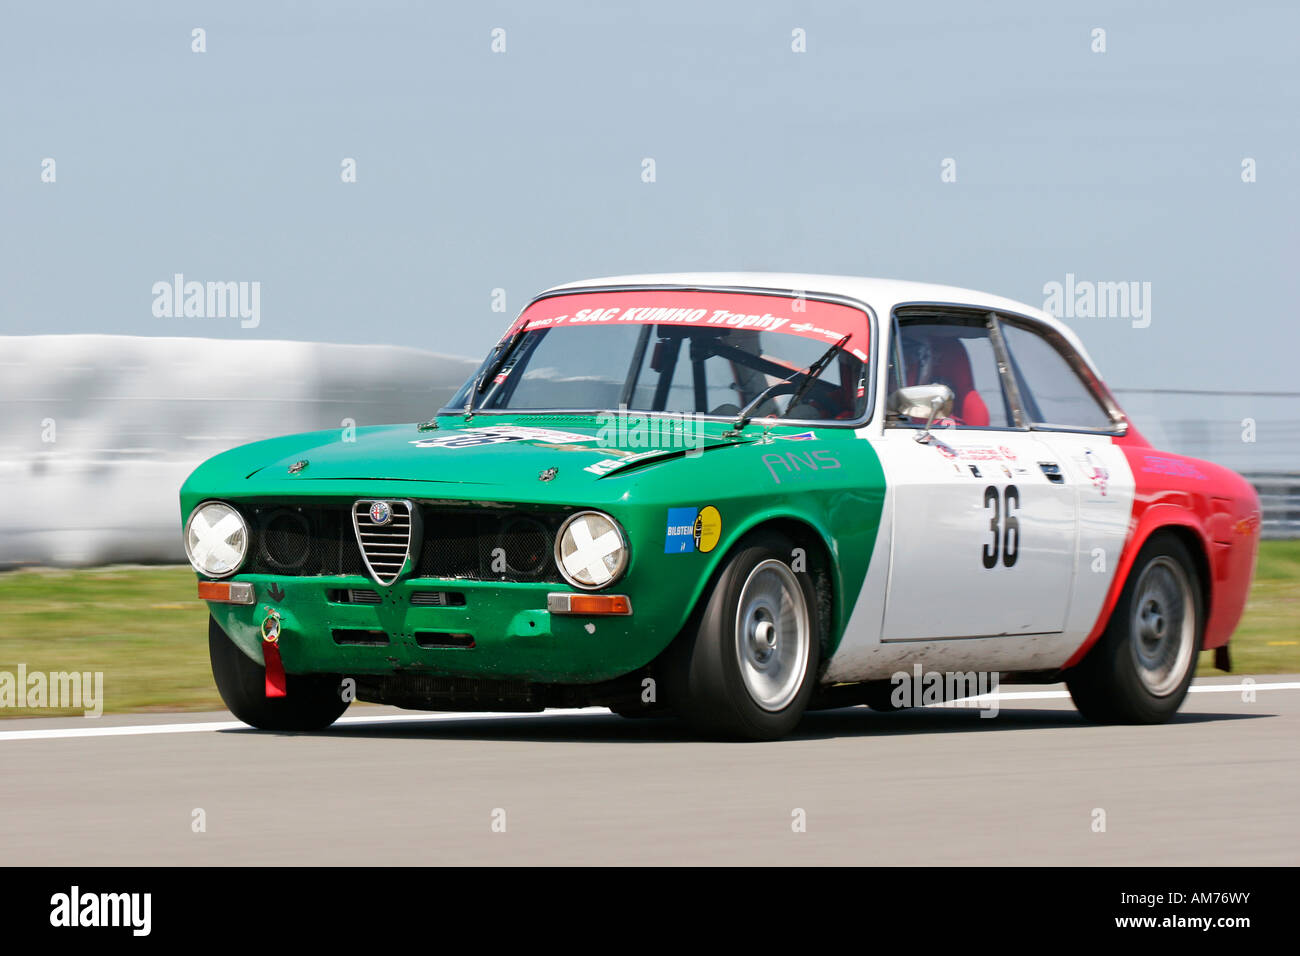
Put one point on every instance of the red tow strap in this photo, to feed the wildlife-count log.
(276, 683)
(275, 679)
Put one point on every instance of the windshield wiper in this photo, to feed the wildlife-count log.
(489, 373)
(810, 375)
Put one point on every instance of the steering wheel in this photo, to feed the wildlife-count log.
(785, 388)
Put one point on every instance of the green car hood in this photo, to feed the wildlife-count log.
(487, 451)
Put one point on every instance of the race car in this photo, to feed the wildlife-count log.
(729, 498)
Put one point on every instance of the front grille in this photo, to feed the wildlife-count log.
(384, 544)
(482, 545)
(302, 541)
(456, 543)
(286, 539)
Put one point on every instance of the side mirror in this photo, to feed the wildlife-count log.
(922, 401)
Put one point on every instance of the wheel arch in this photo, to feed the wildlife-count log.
(804, 534)
(1195, 545)
(1157, 520)
(821, 566)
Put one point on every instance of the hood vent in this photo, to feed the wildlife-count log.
(385, 532)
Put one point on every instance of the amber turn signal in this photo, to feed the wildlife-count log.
(226, 592)
(562, 602)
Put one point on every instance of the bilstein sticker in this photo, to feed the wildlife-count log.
(692, 529)
(680, 538)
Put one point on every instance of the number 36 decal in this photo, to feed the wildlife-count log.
(1006, 531)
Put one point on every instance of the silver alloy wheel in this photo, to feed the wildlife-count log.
(1163, 625)
(772, 635)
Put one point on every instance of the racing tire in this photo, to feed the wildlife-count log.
(746, 666)
(313, 701)
(1139, 670)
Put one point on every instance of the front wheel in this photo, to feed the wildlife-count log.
(1139, 670)
(747, 665)
(313, 702)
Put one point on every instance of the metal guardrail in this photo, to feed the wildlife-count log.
(1279, 501)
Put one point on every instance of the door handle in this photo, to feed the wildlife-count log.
(1053, 472)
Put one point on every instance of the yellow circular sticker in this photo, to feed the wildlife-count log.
(708, 529)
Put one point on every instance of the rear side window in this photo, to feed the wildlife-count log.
(955, 352)
(1050, 389)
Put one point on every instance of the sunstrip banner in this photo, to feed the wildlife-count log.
(825, 321)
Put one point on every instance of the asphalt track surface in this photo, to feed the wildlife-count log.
(938, 785)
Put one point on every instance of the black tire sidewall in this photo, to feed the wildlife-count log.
(711, 693)
(1108, 685)
(313, 702)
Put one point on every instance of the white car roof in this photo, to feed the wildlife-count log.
(881, 294)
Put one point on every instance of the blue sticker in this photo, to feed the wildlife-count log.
(681, 530)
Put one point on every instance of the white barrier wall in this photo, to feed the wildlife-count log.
(97, 432)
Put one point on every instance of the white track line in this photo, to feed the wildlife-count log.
(199, 727)
(1061, 694)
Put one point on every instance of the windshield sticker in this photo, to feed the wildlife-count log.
(498, 435)
(726, 311)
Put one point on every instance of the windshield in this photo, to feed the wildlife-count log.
(707, 353)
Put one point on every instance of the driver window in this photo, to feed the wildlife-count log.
(955, 352)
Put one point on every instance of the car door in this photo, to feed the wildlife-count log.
(1071, 417)
(983, 540)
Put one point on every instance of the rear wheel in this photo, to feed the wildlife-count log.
(1139, 671)
(313, 702)
(748, 666)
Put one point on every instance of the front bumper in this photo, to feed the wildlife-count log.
(511, 634)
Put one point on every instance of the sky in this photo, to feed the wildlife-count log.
(479, 170)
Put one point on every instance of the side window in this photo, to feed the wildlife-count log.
(955, 352)
(1050, 390)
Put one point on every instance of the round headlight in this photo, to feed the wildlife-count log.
(590, 550)
(216, 539)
